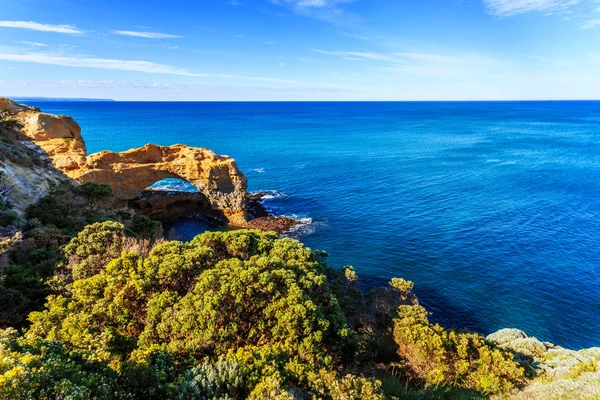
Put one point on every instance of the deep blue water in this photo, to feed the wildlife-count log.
(492, 209)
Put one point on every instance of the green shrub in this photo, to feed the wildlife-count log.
(327, 385)
(97, 194)
(222, 379)
(441, 357)
(23, 284)
(53, 211)
(143, 226)
(221, 292)
(8, 218)
(44, 370)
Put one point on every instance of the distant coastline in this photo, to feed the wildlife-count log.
(75, 99)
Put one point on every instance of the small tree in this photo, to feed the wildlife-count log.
(96, 194)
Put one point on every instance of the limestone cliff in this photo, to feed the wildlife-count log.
(26, 171)
(130, 172)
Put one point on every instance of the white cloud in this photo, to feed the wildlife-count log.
(591, 24)
(507, 8)
(36, 44)
(36, 26)
(395, 58)
(135, 66)
(359, 55)
(147, 35)
(102, 63)
(313, 3)
(557, 62)
(325, 10)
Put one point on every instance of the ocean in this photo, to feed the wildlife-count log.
(491, 208)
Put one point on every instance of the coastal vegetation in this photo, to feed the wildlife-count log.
(96, 304)
(239, 314)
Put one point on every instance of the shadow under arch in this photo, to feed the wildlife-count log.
(170, 199)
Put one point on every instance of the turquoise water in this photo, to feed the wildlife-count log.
(492, 209)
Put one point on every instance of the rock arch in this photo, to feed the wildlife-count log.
(129, 173)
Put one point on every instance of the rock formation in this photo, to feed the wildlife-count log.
(559, 373)
(26, 171)
(130, 172)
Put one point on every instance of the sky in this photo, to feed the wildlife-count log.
(271, 50)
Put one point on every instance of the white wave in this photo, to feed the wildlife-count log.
(259, 170)
(308, 227)
(272, 194)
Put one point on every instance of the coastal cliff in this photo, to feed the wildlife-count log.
(39, 152)
(130, 172)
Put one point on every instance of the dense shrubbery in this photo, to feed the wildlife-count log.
(442, 357)
(241, 314)
(36, 253)
(229, 315)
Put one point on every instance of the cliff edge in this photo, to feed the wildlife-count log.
(130, 172)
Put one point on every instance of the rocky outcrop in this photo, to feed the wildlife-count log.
(59, 136)
(166, 206)
(26, 171)
(559, 373)
(130, 172)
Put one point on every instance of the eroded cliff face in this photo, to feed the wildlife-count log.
(129, 173)
(26, 171)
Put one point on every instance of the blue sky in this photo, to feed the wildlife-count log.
(301, 49)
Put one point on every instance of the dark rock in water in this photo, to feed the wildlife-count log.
(182, 211)
(259, 216)
(272, 223)
(254, 206)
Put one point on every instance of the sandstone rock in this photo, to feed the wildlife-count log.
(130, 172)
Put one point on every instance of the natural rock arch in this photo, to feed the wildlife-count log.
(129, 173)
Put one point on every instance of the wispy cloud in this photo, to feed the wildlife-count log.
(507, 8)
(36, 44)
(591, 24)
(315, 3)
(102, 63)
(396, 57)
(36, 26)
(560, 63)
(326, 10)
(135, 66)
(147, 35)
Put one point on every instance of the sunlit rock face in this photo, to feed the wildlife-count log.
(130, 172)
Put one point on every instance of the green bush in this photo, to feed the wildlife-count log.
(262, 301)
(442, 357)
(8, 218)
(97, 194)
(143, 226)
(53, 211)
(23, 283)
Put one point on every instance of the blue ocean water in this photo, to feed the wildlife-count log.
(491, 208)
